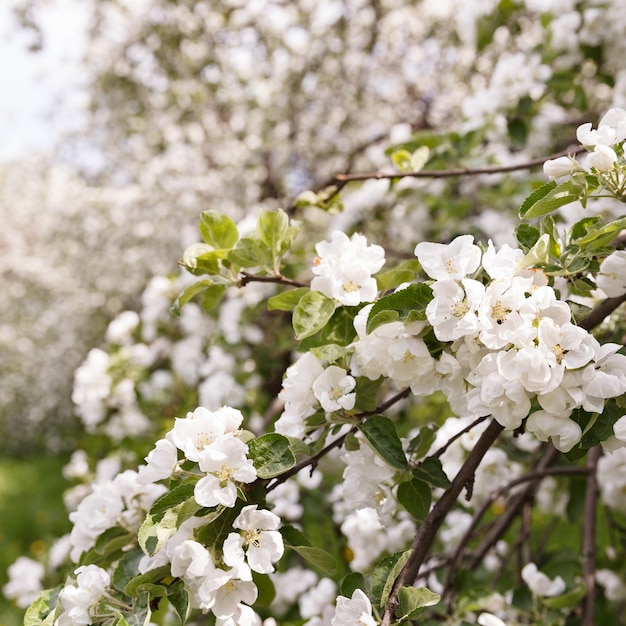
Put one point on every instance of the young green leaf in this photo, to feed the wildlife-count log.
(385, 574)
(286, 300)
(556, 197)
(411, 600)
(312, 313)
(218, 230)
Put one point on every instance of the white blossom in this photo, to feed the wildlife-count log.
(344, 268)
(334, 389)
(611, 277)
(540, 584)
(452, 261)
(354, 611)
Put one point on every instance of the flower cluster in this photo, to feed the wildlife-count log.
(213, 441)
(344, 268)
(307, 387)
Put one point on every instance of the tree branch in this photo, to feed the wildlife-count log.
(589, 537)
(460, 171)
(247, 277)
(601, 312)
(432, 522)
(503, 522)
(480, 513)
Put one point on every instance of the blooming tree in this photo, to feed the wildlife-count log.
(348, 468)
(336, 431)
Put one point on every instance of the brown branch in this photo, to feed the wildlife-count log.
(247, 277)
(480, 513)
(601, 312)
(432, 522)
(314, 460)
(589, 537)
(452, 439)
(515, 504)
(460, 171)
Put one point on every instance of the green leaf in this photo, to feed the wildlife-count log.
(411, 600)
(406, 305)
(385, 574)
(556, 197)
(251, 252)
(422, 442)
(535, 196)
(415, 496)
(390, 279)
(381, 434)
(265, 587)
(271, 455)
(133, 586)
(212, 294)
(608, 229)
(330, 352)
(127, 569)
(312, 313)
(351, 582)
(108, 543)
(275, 231)
(179, 599)
(317, 557)
(42, 610)
(165, 516)
(221, 525)
(367, 393)
(567, 600)
(218, 230)
(431, 471)
(527, 236)
(286, 300)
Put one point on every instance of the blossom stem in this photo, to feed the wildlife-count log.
(432, 522)
(589, 536)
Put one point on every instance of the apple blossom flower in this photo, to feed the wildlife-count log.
(564, 432)
(611, 277)
(80, 599)
(452, 261)
(202, 427)
(344, 268)
(258, 547)
(602, 158)
(297, 394)
(161, 462)
(540, 584)
(333, 388)
(453, 310)
(611, 130)
(25, 576)
(560, 167)
(225, 464)
(354, 611)
(227, 597)
(612, 479)
(488, 619)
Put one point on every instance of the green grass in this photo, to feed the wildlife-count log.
(32, 515)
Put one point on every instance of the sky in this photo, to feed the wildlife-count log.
(41, 94)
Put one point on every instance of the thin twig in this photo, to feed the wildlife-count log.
(495, 495)
(515, 504)
(589, 537)
(455, 437)
(336, 443)
(247, 277)
(432, 522)
(459, 171)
